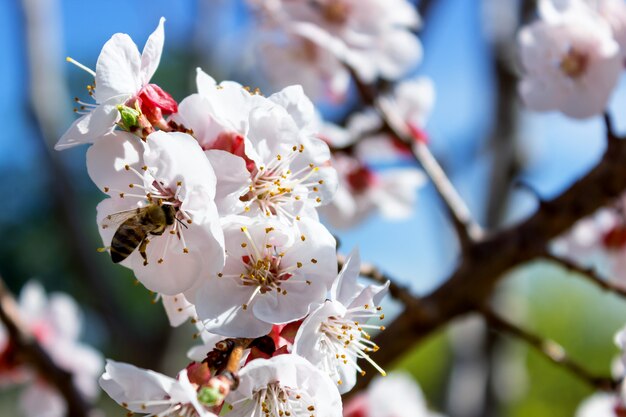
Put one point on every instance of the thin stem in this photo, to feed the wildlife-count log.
(549, 349)
(467, 229)
(32, 352)
(588, 273)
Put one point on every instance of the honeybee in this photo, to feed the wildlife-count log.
(135, 226)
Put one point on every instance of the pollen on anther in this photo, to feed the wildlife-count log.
(127, 167)
(185, 250)
(121, 195)
(313, 260)
(244, 244)
(220, 275)
(179, 183)
(244, 229)
(145, 167)
(189, 221)
(244, 306)
(106, 189)
(302, 238)
(160, 261)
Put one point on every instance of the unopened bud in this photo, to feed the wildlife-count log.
(130, 116)
(210, 396)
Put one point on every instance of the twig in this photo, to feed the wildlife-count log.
(37, 356)
(551, 350)
(486, 263)
(588, 273)
(467, 229)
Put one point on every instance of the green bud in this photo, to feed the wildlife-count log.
(210, 396)
(130, 116)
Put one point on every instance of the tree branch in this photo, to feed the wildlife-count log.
(588, 273)
(551, 350)
(467, 229)
(35, 355)
(486, 262)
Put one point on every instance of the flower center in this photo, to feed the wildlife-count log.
(278, 401)
(574, 63)
(335, 11)
(344, 340)
(360, 179)
(275, 184)
(151, 221)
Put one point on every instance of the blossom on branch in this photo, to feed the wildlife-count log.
(571, 60)
(373, 37)
(396, 395)
(147, 392)
(122, 89)
(274, 274)
(55, 322)
(160, 219)
(265, 152)
(335, 335)
(285, 385)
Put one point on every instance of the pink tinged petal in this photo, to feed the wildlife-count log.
(91, 127)
(107, 159)
(396, 194)
(232, 182)
(41, 400)
(155, 102)
(151, 55)
(65, 316)
(398, 52)
(118, 68)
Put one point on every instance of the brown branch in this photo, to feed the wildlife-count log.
(35, 355)
(551, 350)
(588, 273)
(486, 262)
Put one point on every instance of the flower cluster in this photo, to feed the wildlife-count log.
(316, 41)
(55, 322)
(573, 56)
(212, 202)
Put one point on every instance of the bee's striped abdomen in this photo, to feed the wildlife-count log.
(126, 239)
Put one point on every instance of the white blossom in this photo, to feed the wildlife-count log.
(122, 76)
(284, 385)
(274, 274)
(55, 322)
(396, 395)
(371, 36)
(598, 241)
(601, 405)
(169, 171)
(147, 392)
(363, 191)
(334, 336)
(265, 153)
(571, 61)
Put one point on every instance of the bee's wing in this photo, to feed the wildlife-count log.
(116, 219)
